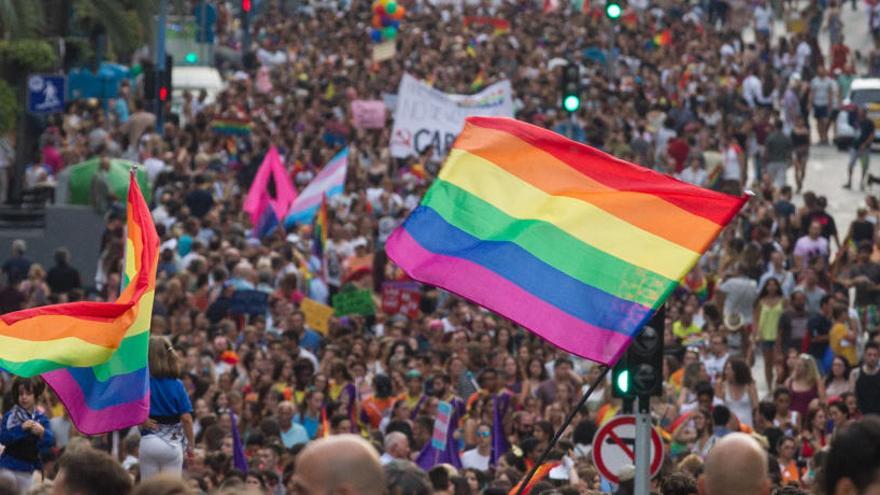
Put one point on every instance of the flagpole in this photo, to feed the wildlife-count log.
(561, 430)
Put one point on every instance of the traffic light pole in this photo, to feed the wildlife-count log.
(561, 430)
(160, 61)
(643, 446)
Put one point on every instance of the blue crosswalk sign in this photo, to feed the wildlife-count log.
(46, 93)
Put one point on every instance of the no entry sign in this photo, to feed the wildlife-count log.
(614, 448)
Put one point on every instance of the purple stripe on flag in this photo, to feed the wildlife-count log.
(489, 289)
(95, 421)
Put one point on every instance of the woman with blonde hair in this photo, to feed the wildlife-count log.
(805, 385)
(168, 433)
(35, 289)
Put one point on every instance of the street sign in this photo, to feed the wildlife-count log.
(614, 448)
(46, 93)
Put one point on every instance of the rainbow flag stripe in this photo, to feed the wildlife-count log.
(229, 127)
(577, 246)
(115, 394)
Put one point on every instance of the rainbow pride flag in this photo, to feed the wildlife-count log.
(574, 244)
(115, 394)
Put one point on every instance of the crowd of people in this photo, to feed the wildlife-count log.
(265, 403)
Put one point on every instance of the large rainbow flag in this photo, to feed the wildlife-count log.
(574, 244)
(112, 393)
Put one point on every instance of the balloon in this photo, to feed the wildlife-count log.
(386, 21)
(395, 25)
(376, 35)
(389, 33)
(377, 21)
(391, 7)
(398, 14)
(378, 8)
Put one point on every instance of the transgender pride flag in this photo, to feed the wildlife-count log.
(328, 183)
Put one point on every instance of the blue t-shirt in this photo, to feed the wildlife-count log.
(168, 397)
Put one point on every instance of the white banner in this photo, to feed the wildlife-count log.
(426, 117)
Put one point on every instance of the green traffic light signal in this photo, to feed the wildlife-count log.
(622, 383)
(191, 58)
(613, 10)
(571, 103)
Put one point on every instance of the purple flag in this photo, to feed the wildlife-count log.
(238, 459)
(500, 445)
(430, 456)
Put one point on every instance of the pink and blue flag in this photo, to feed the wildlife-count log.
(329, 182)
(267, 211)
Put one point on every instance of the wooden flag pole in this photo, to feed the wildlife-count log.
(561, 430)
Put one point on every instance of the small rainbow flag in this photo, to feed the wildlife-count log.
(113, 393)
(471, 48)
(663, 38)
(320, 228)
(479, 81)
(231, 127)
(574, 244)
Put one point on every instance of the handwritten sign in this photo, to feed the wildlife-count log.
(384, 51)
(354, 302)
(401, 298)
(317, 315)
(441, 425)
(368, 114)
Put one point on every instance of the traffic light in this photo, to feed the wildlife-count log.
(613, 10)
(571, 88)
(164, 91)
(621, 380)
(245, 6)
(639, 373)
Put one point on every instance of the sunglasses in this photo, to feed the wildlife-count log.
(484, 434)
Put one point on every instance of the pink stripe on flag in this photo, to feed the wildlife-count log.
(502, 296)
(92, 421)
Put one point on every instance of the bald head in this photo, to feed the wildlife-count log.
(341, 464)
(736, 464)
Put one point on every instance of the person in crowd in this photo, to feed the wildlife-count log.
(24, 433)
(167, 436)
(355, 468)
(851, 465)
(90, 472)
(741, 450)
(865, 380)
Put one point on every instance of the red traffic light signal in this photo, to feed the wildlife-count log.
(245, 6)
(163, 93)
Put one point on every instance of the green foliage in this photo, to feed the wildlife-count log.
(8, 107)
(19, 57)
(21, 19)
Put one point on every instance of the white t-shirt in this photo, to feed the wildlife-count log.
(822, 89)
(473, 459)
(803, 54)
(730, 160)
(763, 17)
(695, 176)
(740, 294)
(714, 365)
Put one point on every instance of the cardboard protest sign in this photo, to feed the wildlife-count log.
(354, 302)
(401, 298)
(317, 315)
(368, 114)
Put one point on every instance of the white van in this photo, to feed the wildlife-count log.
(195, 79)
(864, 92)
